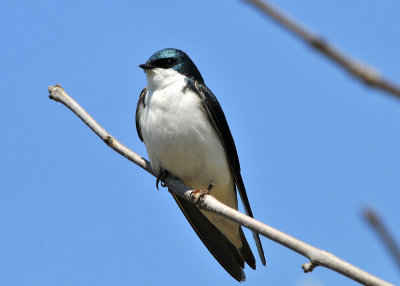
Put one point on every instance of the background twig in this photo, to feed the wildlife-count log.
(379, 227)
(317, 257)
(361, 71)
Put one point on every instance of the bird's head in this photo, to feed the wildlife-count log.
(167, 64)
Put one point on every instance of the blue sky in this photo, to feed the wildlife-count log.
(315, 145)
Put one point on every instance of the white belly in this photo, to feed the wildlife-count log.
(180, 139)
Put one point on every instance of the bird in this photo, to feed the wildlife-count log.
(187, 136)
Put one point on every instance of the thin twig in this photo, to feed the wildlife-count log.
(368, 75)
(377, 224)
(317, 257)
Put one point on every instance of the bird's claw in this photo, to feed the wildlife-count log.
(161, 177)
(198, 195)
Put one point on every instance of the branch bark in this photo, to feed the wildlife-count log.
(387, 239)
(361, 71)
(316, 256)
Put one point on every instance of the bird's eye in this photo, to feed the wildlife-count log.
(165, 63)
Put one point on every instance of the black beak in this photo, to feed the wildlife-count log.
(146, 66)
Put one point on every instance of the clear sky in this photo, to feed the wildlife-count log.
(315, 145)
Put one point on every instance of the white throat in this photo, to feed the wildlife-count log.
(159, 78)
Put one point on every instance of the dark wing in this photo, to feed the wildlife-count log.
(218, 120)
(139, 110)
(220, 247)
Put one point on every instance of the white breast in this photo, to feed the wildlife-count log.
(179, 137)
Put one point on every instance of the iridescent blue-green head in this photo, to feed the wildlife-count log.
(173, 59)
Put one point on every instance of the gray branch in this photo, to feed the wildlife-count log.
(382, 231)
(316, 256)
(368, 75)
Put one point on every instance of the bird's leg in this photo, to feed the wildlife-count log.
(161, 177)
(198, 195)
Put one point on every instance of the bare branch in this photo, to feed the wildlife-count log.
(376, 223)
(317, 257)
(368, 75)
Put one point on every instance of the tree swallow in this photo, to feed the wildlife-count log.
(187, 136)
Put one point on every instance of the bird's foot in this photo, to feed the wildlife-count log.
(198, 195)
(161, 177)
